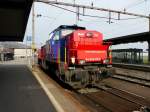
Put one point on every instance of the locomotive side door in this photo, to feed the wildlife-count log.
(55, 46)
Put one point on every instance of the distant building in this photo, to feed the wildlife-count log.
(6, 53)
(132, 56)
(145, 53)
(22, 53)
(11, 50)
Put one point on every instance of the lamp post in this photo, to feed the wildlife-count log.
(33, 35)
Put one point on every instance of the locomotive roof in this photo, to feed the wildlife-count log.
(71, 27)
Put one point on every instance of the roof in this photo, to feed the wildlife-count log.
(127, 50)
(13, 19)
(14, 45)
(71, 27)
(139, 37)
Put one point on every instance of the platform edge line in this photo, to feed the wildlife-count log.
(50, 96)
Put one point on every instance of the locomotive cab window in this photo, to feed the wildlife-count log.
(56, 36)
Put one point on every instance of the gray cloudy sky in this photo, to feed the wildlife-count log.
(52, 17)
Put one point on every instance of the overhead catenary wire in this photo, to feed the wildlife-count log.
(142, 3)
(122, 28)
(83, 14)
(91, 15)
(134, 4)
(130, 30)
(93, 8)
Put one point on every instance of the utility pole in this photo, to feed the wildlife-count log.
(149, 43)
(26, 50)
(77, 15)
(149, 22)
(33, 35)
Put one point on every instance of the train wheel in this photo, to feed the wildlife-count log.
(57, 73)
(84, 78)
(62, 77)
(67, 76)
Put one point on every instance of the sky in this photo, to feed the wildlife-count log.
(52, 17)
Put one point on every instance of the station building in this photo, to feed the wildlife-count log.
(13, 50)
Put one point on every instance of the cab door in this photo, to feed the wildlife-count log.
(55, 46)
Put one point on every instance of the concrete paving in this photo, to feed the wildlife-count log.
(61, 98)
(20, 91)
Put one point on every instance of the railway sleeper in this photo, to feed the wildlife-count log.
(143, 109)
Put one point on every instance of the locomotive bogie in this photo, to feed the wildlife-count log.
(81, 77)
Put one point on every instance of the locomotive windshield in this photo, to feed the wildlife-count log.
(66, 32)
(51, 35)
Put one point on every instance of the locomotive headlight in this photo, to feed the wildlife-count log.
(82, 61)
(73, 60)
(106, 61)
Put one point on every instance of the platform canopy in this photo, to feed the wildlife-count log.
(13, 19)
(139, 37)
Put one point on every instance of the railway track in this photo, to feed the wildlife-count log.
(131, 97)
(139, 74)
(132, 79)
(145, 68)
(104, 98)
(111, 99)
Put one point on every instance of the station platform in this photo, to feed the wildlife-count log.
(21, 92)
(23, 89)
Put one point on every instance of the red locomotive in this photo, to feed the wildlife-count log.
(78, 56)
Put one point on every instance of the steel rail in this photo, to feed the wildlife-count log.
(134, 80)
(144, 68)
(112, 89)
